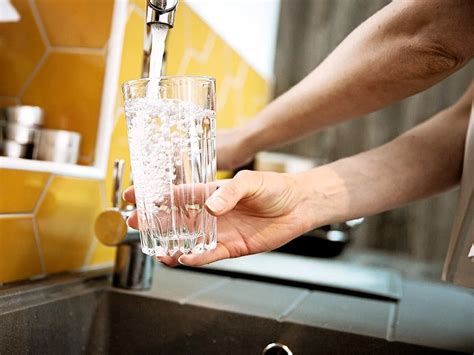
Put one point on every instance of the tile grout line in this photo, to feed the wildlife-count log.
(35, 223)
(39, 23)
(230, 82)
(140, 12)
(78, 50)
(204, 290)
(201, 55)
(39, 247)
(32, 75)
(16, 215)
(105, 48)
(129, 11)
(45, 39)
(43, 194)
(304, 294)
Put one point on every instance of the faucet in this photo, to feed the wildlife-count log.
(161, 12)
(133, 269)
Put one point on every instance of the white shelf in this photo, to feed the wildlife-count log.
(72, 170)
(106, 118)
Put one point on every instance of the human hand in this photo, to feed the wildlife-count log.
(257, 212)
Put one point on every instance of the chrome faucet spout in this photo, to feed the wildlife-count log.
(161, 11)
(157, 12)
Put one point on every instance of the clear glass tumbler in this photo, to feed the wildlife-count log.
(171, 133)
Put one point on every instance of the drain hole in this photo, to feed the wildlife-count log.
(277, 349)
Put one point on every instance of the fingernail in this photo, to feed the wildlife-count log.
(123, 194)
(180, 261)
(216, 204)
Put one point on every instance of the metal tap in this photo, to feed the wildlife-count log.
(133, 269)
(157, 12)
(161, 11)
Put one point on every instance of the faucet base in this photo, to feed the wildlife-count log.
(133, 270)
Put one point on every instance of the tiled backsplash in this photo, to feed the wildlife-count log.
(55, 57)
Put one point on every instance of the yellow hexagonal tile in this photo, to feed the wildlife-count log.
(79, 23)
(118, 150)
(20, 190)
(102, 254)
(69, 88)
(66, 221)
(192, 36)
(241, 95)
(20, 257)
(21, 48)
(194, 49)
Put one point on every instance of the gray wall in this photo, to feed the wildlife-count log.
(309, 31)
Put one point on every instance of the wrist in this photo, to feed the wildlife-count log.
(248, 140)
(324, 195)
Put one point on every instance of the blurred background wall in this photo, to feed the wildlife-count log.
(308, 31)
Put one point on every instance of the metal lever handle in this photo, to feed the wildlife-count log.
(133, 269)
(118, 180)
(111, 225)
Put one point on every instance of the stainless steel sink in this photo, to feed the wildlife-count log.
(83, 315)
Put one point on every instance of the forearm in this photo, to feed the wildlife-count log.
(405, 48)
(420, 163)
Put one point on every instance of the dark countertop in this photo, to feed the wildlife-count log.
(390, 306)
(405, 265)
(372, 303)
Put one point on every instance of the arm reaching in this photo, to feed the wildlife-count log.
(422, 162)
(401, 50)
(261, 211)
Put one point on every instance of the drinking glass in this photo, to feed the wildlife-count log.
(171, 125)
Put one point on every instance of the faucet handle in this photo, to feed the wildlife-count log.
(111, 225)
(117, 185)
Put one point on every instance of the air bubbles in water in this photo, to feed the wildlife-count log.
(172, 150)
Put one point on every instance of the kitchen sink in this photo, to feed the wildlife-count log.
(81, 314)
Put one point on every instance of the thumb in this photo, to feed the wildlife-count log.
(224, 199)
